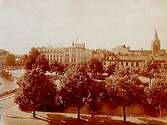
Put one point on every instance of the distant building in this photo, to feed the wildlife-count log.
(124, 57)
(121, 50)
(75, 54)
(100, 54)
(155, 49)
(122, 61)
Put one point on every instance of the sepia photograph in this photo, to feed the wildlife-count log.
(83, 62)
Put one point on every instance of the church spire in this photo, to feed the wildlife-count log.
(156, 35)
(156, 47)
(73, 44)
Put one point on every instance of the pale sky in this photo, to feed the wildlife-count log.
(98, 23)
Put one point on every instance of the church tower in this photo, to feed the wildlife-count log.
(156, 44)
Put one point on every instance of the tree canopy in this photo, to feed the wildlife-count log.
(95, 66)
(35, 90)
(126, 90)
(57, 67)
(43, 63)
(35, 59)
(10, 60)
(75, 91)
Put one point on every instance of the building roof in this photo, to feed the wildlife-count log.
(121, 49)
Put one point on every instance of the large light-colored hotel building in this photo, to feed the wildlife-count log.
(75, 54)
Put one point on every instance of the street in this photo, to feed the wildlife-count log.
(9, 112)
(5, 103)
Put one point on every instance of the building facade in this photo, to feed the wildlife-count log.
(75, 54)
(125, 61)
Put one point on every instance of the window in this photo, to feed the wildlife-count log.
(122, 63)
(132, 64)
(126, 63)
(137, 64)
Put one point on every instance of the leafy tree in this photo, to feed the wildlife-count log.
(111, 69)
(152, 69)
(75, 91)
(30, 62)
(35, 91)
(95, 66)
(36, 59)
(95, 98)
(126, 90)
(10, 60)
(43, 63)
(153, 66)
(23, 59)
(58, 67)
(157, 97)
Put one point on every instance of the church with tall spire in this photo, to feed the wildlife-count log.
(126, 57)
(156, 47)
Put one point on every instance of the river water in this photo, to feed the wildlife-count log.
(6, 85)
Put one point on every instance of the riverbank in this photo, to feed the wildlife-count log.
(7, 93)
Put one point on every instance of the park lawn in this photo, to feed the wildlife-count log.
(152, 122)
(61, 120)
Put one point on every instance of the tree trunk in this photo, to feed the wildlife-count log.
(92, 115)
(78, 113)
(124, 113)
(160, 110)
(150, 79)
(34, 114)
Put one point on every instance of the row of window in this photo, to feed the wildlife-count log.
(129, 64)
(53, 56)
(62, 50)
(66, 55)
(137, 64)
(56, 59)
(52, 50)
(61, 60)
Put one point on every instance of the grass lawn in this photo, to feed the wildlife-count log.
(61, 120)
(152, 122)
